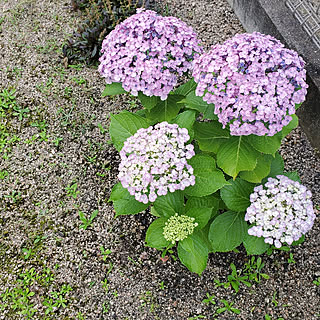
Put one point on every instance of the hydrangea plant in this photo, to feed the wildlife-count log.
(203, 157)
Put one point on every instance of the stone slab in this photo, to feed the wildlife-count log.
(274, 18)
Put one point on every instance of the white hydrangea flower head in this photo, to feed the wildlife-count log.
(178, 228)
(281, 211)
(154, 161)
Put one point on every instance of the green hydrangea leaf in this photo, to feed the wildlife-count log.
(236, 155)
(299, 241)
(154, 212)
(166, 110)
(255, 245)
(186, 120)
(277, 166)
(261, 170)
(237, 195)
(124, 125)
(148, 102)
(292, 125)
(208, 178)
(191, 101)
(154, 235)
(124, 203)
(210, 135)
(171, 203)
(227, 231)
(193, 253)
(186, 88)
(113, 89)
(201, 215)
(293, 176)
(265, 144)
(210, 201)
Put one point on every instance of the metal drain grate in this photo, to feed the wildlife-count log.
(307, 12)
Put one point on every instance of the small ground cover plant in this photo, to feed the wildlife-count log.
(250, 273)
(86, 222)
(24, 299)
(99, 18)
(8, 108)
(204, 156)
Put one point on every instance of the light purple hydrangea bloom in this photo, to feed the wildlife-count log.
(147, 52)
(281, 211)
(154, 161)
(253, 81)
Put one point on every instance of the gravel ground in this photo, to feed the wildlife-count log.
(60, 145)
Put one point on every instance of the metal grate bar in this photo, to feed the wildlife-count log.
(307, 12)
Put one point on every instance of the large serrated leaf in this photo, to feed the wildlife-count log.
(292, 125)
(201, 215)
(227, 231)
(265, 144)
(125, 125)
(165, 110)
(124, 203)
(261, 170)
(186, 88)
(193, 253)
(113, 89)
(255, 245)
(171, 203)
(210, 135)
(237, 195)
(191, 101)
(293, 176)
(186, 120)
(236, 155)
(154, 235)
(204, 202)
(277, 166)
(148, 102)
(208, 178)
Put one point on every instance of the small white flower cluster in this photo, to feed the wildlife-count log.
(154, 161)
(281, 211)
(178, 228)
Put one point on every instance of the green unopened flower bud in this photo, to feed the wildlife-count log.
(178, 228)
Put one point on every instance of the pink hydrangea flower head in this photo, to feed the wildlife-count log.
(154, 162)
(254, 82)
(147, 53)
(281, 211)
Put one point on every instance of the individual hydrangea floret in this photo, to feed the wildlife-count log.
(147, 53)
(254, 83)
(178, 227)
(154, 161)
(281, 211)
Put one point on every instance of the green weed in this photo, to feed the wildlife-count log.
(72, 190)
(291, 259)
(234, 279)
(228, 307)
(105, 253)
(253, 269)
(87, 222)
(316, 282)
(209, 299)
(3, 174)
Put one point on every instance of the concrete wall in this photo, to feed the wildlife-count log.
(274, 18)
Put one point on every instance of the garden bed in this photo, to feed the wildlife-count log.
(57, 161)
